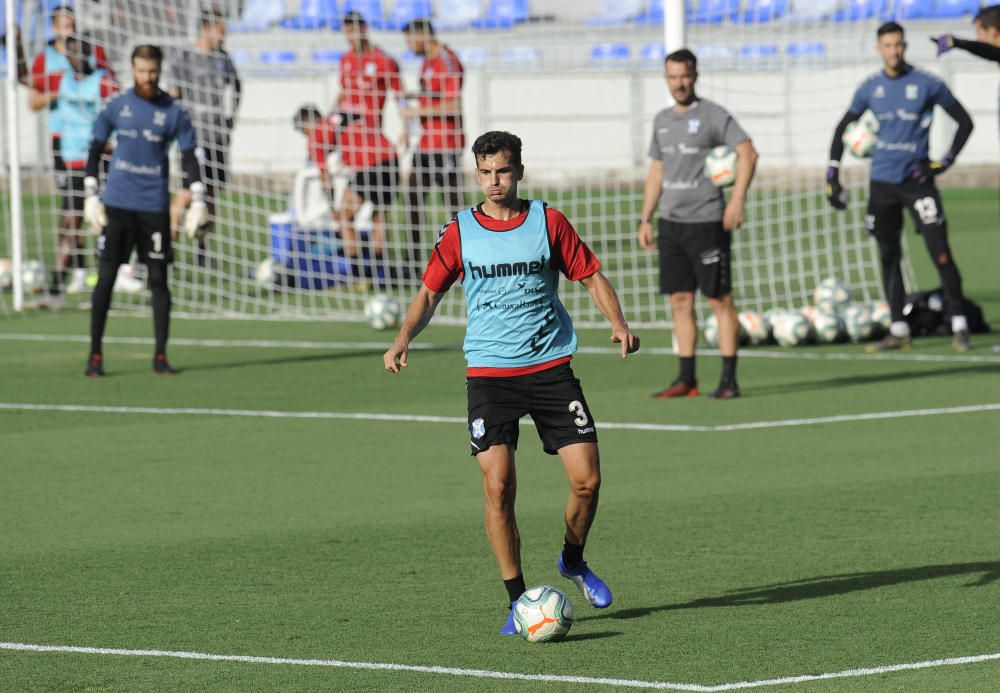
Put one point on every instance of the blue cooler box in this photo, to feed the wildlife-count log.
(312, 258)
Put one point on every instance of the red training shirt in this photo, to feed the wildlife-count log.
(570, 255)
(440, 79)
(321, 140)
(365, 81)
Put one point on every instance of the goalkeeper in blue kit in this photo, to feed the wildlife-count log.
(134, 211)
(903, 97)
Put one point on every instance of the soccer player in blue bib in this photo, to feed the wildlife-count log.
(903, 97)
(508, 254)
(134, 212)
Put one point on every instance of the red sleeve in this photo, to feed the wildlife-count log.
(38, 73)
(451, 79)
(392, 79)
(445, 266)
(108, 86)
(570, 254)
(101, 58)
(317, 151)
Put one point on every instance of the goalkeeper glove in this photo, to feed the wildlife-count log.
(93, 208)
(197, 212)
(925, 170)
(944, 43)
(835, 192)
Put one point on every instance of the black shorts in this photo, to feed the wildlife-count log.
(441, 168)
(70, 183)
(693, 256)
(148, 232)
(886, 202)
(553, 397)
(212, 160)
(378, 184)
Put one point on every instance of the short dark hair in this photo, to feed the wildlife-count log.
(989, 17)
(890, 28)
(683, 56)
(76, 43)
(419, 26)
(308, 112)
(497, 141)
(355, 18)
(212, 15)
(147, 51)
(63, 8)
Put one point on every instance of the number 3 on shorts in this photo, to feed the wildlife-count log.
(926, 209)
(581, 416)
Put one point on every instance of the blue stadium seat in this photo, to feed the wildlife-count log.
(713, 52)
(371, 10)
(858, 10)
(315, 14)
(520, 57)
(503, 14)
(806, 49)
(714, 11)
(473, 55)
(654, 53)
(653, 13)
(908, 9)
(277, 58)
(327, 56)
(457, 14)
(759, 50)
(761, 11)
(610, 55)
(955, 8)
(403, 13)
(241, 58)
(617, 12)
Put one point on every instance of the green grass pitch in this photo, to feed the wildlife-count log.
(735, 555)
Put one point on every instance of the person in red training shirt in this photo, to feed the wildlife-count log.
(367, 75)
(437, 160)
(321, 137)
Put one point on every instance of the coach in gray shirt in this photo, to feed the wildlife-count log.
(695, 220)
(204, 80)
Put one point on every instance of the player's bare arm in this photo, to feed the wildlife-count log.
(732, 217)
(607, 302)
(418, 315)
(650, 198)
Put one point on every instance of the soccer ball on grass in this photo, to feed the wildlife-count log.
(791, 329)
(858, 322)
(33, 276)
(543, 614)
(754, 327)
(382, 312)
(6, 273)
(831, 295)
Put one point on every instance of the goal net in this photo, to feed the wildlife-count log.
(579, 83)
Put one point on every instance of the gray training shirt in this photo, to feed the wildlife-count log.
(682, 141)
(202, 79)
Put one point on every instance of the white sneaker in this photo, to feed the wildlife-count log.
(126, 282)
(78, 281)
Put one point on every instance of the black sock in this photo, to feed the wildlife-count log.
(161, 306)
(686, 370)
(572, 554)
(515, 587)
(729, 370)
(101, 304)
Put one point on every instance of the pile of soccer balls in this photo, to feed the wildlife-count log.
(832, 317)
(32, 275)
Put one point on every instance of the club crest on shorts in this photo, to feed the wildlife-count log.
(478, 428)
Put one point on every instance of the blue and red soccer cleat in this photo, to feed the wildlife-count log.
(591, 587)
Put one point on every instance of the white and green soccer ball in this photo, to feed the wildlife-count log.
(33, 276)
(754, 327)
(858, 322)
(831, 295)
(881, 315)
(791, 329)
(543, 614)
(861, 138)
(263, 274)
(382, 311)
(827, 327)
(6, 273)
(720, 166)
(711, 331)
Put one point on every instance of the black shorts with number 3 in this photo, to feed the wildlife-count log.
(147, 232)
(552, 397)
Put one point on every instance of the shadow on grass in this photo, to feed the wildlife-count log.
(592, 636)
(981, 574)
(875, 378)
(372, 355)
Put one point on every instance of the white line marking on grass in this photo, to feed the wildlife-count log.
(804, 355)
(508, 675)
(421, 418)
